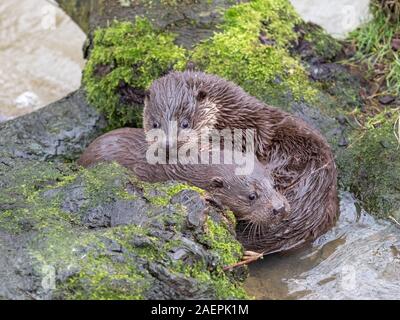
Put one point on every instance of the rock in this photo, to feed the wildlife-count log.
(343, 141)
(385, 100)
(61, 130)
(192, 21)
(396, 44)
(370, 167)
(71, 233)
(109, 244)
(341, 119)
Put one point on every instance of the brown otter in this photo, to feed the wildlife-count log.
(301, 159)
(251, 197)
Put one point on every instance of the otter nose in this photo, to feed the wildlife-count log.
(279, 209)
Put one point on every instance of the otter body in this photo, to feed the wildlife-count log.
(301, 160)
(252, 197)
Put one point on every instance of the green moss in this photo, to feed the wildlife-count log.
(109, 263)
(103, 277)
(132, 55)
(231, 217)
(223, 242)
(322, 44)
(371, 165)
(227, 251)
(105, 182)
(24, 191)
(164, 191)
(267, 71)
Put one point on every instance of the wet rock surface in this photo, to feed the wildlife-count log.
(71, 233)
(102, 234)
(59, 131)
(192, 21)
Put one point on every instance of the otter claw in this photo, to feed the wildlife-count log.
(248, 257)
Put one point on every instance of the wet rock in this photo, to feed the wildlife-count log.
(320, 71)
(100, 241)
(385, 100)
(98, 217)
(59, 131)
(192, 21)
(196, 206)
(396, 44)
(341, 119)
(343, 141)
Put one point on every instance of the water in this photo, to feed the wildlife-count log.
(358, 259)
(40, 55)
(337, 17)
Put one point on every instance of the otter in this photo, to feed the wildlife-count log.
(251, 197)
(301, 160)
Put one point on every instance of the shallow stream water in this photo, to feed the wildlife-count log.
(40, 55)
(357, 259)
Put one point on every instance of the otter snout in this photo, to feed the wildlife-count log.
(278, 210)
(280, 207)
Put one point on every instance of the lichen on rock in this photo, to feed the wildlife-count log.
(103, 236)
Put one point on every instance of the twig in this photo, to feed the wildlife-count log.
(252, 257)
(395, 221)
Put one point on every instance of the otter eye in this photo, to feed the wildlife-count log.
(156, 125)
(253, 196)
(185, 124)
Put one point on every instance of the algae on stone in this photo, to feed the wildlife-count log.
(102, 235)
(371, 165)
(252, 50)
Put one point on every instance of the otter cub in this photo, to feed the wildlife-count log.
(301, 160)
(251, 197)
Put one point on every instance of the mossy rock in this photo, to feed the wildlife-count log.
(265, 47)
(71, 233)
(371, 165)
(124, 61)
(250, 48)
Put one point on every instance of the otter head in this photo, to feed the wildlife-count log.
(175, 104)
(253, 198)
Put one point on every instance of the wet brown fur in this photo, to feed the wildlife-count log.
(128, 147)
(301, 160)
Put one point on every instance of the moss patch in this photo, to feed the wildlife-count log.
(371, 165)
(125, 59)
(50, 202)
(252, 50)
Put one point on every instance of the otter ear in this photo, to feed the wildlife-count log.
(201, 95)
(217, 182)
